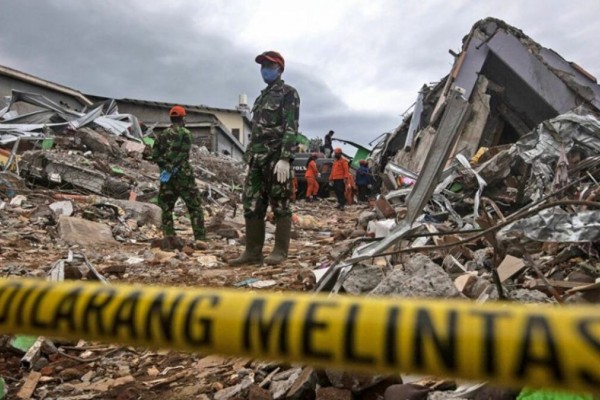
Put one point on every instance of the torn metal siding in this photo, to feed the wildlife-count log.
(416, 119)
(53, 116)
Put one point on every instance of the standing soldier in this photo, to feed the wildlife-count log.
(271, 148)
(171, 153)
(311, 175)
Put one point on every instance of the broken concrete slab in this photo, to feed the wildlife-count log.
(530, 296)
(62, 208)
(417, 277)
(363, 278)
(143, 213)
(97, 142)
(71, 169)
(84, 233)
(131, 147)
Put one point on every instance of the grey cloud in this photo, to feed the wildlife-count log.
(112, 50)
(187, 51)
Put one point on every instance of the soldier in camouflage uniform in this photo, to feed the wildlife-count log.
(171, 152)
(269, 153)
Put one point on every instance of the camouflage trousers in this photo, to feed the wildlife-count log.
(183, 186)
(261, 189)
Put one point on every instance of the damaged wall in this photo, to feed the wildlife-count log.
(207, 129)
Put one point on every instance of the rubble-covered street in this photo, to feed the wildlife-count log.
(484, 195)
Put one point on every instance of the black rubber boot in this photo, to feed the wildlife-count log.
(255, 238)
(283, 231)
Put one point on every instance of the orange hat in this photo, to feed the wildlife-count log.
(272, 56)
(337, 150)
(177, 111)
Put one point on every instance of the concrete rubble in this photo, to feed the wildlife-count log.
(508, 211)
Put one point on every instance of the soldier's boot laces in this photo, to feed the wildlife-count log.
(282, 241)
(255, 238)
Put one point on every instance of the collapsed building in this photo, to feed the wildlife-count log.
(510, 84)
(32, 109)
(494, 147)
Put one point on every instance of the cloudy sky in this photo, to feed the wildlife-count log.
(357, 64)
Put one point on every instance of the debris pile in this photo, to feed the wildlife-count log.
(503, 160)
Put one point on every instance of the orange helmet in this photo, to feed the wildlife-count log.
(272, 56)
(337, 150)
(177, 111)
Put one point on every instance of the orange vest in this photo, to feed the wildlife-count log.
(311, 170)
(339, 170)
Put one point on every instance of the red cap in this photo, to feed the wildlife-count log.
(272, 56)
(337, 150)
(177, 111)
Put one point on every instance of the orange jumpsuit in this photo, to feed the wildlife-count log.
(350, 189)
(312, 186)
(294, 189)
(340, 176)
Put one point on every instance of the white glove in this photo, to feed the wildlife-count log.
(282, 171)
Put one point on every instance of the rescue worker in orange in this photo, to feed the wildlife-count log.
(311, 175)
(350, 190)
(339, 177)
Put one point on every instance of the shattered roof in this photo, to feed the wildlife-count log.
(188, 107)
(42, 82)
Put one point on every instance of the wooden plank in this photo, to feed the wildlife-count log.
(509, 267)
(29, 386)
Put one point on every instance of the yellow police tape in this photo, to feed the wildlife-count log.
(509, 344)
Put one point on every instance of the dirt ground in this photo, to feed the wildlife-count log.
(100, 371)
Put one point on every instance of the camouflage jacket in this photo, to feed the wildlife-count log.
(172, 149)
(274, 122)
